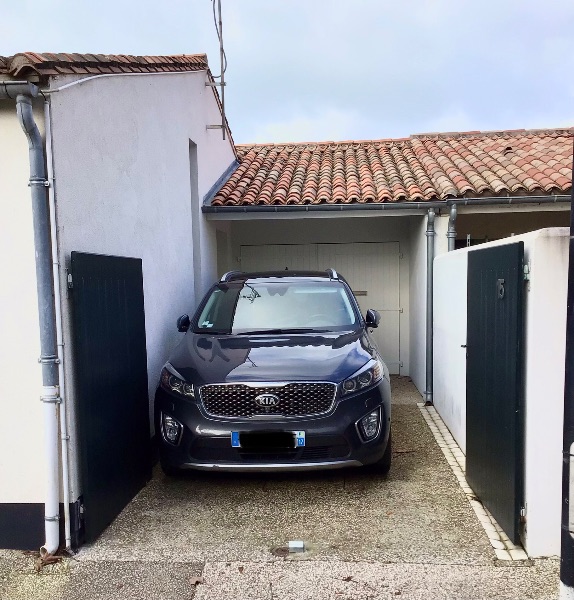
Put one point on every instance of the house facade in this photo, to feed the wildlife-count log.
(137, 167)
(132, 155)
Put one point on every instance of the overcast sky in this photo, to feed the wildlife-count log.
(310, 70)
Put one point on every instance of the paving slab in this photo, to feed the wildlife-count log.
(340, 580)
(412, 534)
(104, 580)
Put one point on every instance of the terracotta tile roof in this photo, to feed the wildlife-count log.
(422, 167)
(26, 63)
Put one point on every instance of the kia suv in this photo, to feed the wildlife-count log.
(277, 371)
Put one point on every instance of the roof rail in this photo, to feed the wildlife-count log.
(227, 276)
(332, 274)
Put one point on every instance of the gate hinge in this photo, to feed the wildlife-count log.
(70, 281)
(526, 275)
(523, 514)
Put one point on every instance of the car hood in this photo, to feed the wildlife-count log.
(202, 359)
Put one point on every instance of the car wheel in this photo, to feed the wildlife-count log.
(168, 469)
(383, 465)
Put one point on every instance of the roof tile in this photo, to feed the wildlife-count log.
(26, 63)
(422, 167)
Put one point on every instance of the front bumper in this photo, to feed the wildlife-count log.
(271, 467)
(331, 441)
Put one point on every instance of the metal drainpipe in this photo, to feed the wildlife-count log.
(451, 232)
(64, 434)
(567, 517)
(45, 288)
(430, 233)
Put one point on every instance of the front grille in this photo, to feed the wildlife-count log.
(295, 399)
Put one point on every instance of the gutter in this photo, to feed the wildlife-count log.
(387, 206)
(23, 92)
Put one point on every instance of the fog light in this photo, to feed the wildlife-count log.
(171, 429)
(369, 425)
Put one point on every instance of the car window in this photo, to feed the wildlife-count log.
(243, 307)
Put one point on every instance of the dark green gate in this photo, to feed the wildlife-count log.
(494, 382)
(110, 364)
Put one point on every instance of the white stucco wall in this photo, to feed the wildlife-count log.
(417, 291)
(449, 373)
(546, 251)
(21, 458)
(544, 369)
(123, 187)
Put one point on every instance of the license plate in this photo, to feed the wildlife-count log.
(280, 439)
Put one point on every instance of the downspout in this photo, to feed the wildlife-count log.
(64, 435)
(451, 232)
(567, 514)
(48, 347)
(430, 233)
(23, 92)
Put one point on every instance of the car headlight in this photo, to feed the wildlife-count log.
(172, 381)
(370, 374)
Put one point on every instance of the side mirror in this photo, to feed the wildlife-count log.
(183, 323)
(373, 318)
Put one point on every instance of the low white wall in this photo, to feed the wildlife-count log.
(449, 373)
(546, 252)
(21, 457)
(544, 368)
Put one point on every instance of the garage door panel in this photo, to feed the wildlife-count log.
(275, 257)
(372, 270)
(387, 338)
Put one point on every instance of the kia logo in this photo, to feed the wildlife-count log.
(267, 400)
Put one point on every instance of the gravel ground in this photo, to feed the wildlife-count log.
(412, 534)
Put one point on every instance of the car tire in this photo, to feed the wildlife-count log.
(382, 466)
(168, 469)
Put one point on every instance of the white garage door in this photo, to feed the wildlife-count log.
(372, 270)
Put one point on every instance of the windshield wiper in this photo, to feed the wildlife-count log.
(212, 331)
(285, 331)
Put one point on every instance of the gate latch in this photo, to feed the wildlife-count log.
(523, 514)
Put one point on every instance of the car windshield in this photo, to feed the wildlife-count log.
(277, 307)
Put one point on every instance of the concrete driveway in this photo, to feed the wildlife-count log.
(411, 535)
